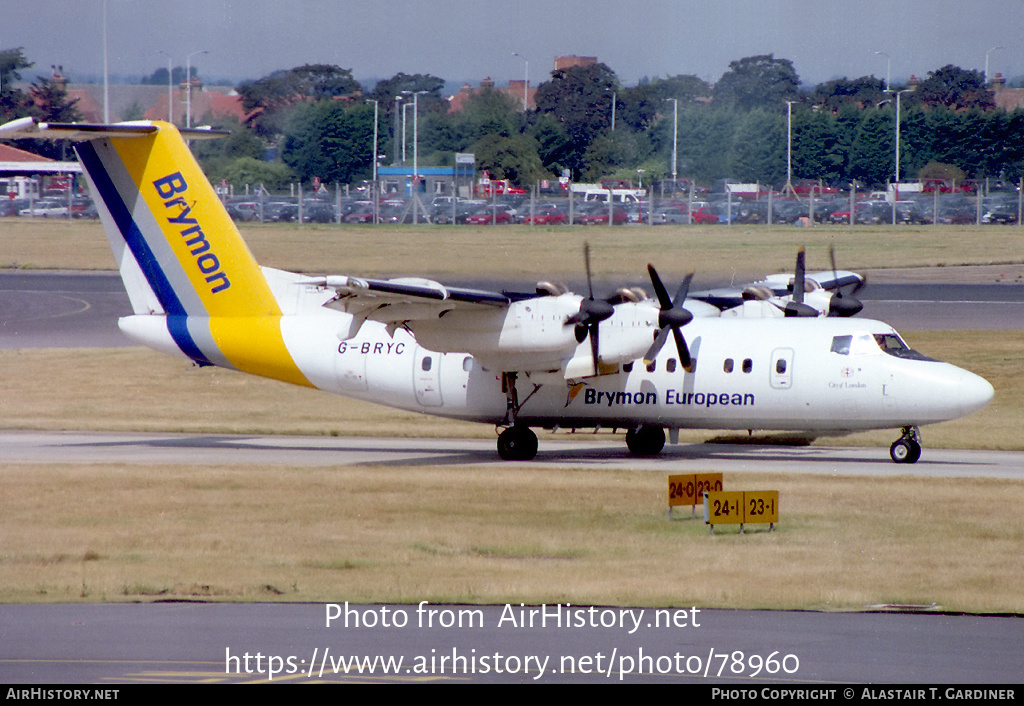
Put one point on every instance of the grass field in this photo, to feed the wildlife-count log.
(465, 534)
(523, 254)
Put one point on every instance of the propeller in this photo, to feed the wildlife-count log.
(839, 305)
(796, 307)
(592, 312)
(671, 317)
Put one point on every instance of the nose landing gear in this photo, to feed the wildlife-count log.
(907, 449)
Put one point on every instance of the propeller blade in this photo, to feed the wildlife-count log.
(586, 264)
(671, 317)
(592, 312)
(798, 277)
(840, 305)
(655, 348)
(595, 346)
(684, 350)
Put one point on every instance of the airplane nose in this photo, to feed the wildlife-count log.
(973, 392)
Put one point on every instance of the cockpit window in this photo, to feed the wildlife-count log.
(892, 344)
(841, 344)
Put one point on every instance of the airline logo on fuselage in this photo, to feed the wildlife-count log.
(168, 188)
(672, 397)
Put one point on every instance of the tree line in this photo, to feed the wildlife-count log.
(317, 121)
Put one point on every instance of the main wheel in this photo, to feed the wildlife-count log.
(905, 451)
(517, 444)
(645, 440)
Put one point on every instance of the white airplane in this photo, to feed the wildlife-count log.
(545, 359)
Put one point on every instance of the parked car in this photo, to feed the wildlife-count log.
(46, 208)
(547, 216)
(489, 215)
(597, 213)
(671, 215)
(704, 215)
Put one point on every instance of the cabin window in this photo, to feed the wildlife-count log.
(670, 365)
(748, 365)
(467, 363)
(427, 363)
(780, 366)
(652, 366)
(728, 365)
(627, 367)
(841, 344)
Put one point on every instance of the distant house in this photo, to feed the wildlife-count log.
(515, 90)
(217, 102)
(1007, 98)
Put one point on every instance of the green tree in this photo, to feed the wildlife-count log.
(273, 97)
(13, 102)
(862, 92)
(580, 99)
(759, 151)
(621, 150)
(509, 157)
(487, 112)
(871, 155)
(758, 82)
(329, 140)
(818, 151)
(954, 88)
(254, 172)
(392, 93)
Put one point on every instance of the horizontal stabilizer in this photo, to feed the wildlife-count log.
(31, 128)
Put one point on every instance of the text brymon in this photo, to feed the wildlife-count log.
(672, 397)
(195, 239)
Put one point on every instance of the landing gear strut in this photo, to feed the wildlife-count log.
(907, 449)
(517, 442)
(645, 440)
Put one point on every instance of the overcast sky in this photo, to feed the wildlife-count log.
(460, 40)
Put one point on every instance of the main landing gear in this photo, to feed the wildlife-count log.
(907, 449)
(645, 440)
(517, 442)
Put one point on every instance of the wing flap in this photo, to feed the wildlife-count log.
(404, 299)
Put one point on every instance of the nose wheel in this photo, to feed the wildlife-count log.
(907, 449)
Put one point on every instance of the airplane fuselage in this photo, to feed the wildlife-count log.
(809, 375)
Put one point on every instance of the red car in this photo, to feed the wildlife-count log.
(547, 217)
(703, 215)
(487, 216)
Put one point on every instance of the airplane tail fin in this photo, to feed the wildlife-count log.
(178, 251)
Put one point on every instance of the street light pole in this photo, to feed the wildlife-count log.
(373, 191)
(896, 185)
(789, 148)
(170, 87)
(888, 65)
(675, 139)
(986, 62)
(188, 86)
(398, 100)
(415, 155)
(526, 82)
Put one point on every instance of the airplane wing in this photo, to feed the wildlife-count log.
(392, 300)
(543, 331)
(799, 294)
